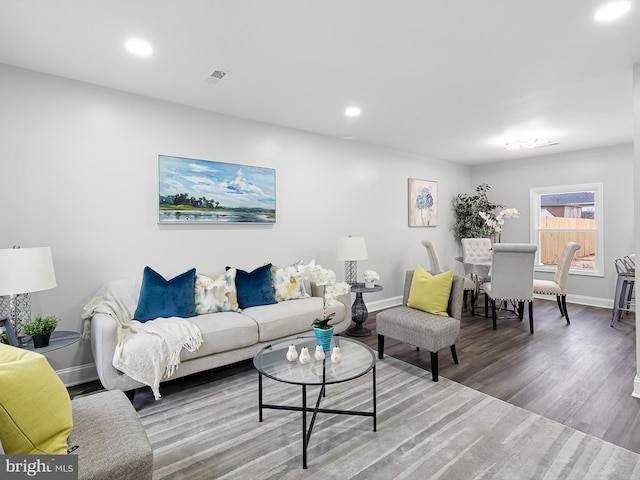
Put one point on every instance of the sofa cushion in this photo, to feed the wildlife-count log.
(254, 288)
(290, 318)
(35, 409)
(221, 332)
(166, 298)
(216, 294)
(288, 283)
(430, 293)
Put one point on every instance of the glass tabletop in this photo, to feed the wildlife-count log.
(59, 339)
(357, 359)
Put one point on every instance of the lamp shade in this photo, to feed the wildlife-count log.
(26, 270)
(351, 248)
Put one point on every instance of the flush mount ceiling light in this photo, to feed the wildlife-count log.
(528, 144)
(612, 11)
(138, 47)
(352, 112)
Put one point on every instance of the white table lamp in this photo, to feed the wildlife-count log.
(350, 250)
(23, 271)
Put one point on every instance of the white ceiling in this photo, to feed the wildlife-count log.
(451, 79)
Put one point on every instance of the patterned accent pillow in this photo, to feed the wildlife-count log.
(288, 284)
(216, 294)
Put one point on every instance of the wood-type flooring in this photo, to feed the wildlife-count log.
(580, 375)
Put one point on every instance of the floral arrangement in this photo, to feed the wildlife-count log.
(371, 276)
(496, 223)
(330, 289)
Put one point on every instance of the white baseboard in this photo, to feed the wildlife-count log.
(384, 303)
(577, 299)
(77, 375)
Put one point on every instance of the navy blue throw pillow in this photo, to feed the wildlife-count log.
(166, 298)
(254, 288)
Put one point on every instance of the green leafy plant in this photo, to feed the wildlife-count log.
(467, 208)
(41, 325)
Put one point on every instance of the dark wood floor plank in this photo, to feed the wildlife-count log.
(580, 375)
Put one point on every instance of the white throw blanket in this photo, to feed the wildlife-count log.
(149, 351)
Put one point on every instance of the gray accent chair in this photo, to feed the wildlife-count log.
(558, 286)
(511, 278)
(422, 329)
(112, 444)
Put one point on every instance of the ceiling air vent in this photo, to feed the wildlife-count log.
(215, 76)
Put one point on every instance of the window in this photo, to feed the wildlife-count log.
(568, 213)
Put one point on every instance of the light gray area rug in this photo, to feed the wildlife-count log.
(426, 430)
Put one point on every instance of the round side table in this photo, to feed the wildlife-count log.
(359, 312)
(59, 339)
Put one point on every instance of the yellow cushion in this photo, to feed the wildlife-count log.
(430, 293)
(35, 409)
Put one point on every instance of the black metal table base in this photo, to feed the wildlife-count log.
(306, 433)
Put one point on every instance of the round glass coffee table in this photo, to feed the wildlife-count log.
(357, 360)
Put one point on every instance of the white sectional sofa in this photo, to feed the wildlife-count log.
(228, 337)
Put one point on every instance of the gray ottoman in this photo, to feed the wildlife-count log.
(422, 329)
(112, 444)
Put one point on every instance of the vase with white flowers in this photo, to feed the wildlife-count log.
(330, 290)
(370, 278)
(496, 222)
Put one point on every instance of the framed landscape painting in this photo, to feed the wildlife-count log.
(423, 203)
(205, 191)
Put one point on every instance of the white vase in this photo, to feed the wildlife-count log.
(292, 353)
(304, 357)
(319, 353)
(336, 355)
(369, 284)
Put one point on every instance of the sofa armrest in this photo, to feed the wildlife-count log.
(104, 338)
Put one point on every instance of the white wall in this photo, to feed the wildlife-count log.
(613, 166)
(78, 174)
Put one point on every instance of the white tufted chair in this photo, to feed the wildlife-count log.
(558, 286)
(434, 265)
(511, 278)
(475, 250)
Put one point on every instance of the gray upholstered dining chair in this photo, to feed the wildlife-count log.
(558, 286)
(434, 267)
(511, 278)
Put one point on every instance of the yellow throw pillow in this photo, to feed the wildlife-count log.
(35, 409)
(430, 293)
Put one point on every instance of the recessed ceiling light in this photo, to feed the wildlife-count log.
(352, 112)
(138, 47)
(612, 11)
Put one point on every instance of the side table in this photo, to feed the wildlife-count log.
(59, 339)
(359, 312)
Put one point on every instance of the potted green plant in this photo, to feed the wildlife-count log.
(40, 329)
(466, 208)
